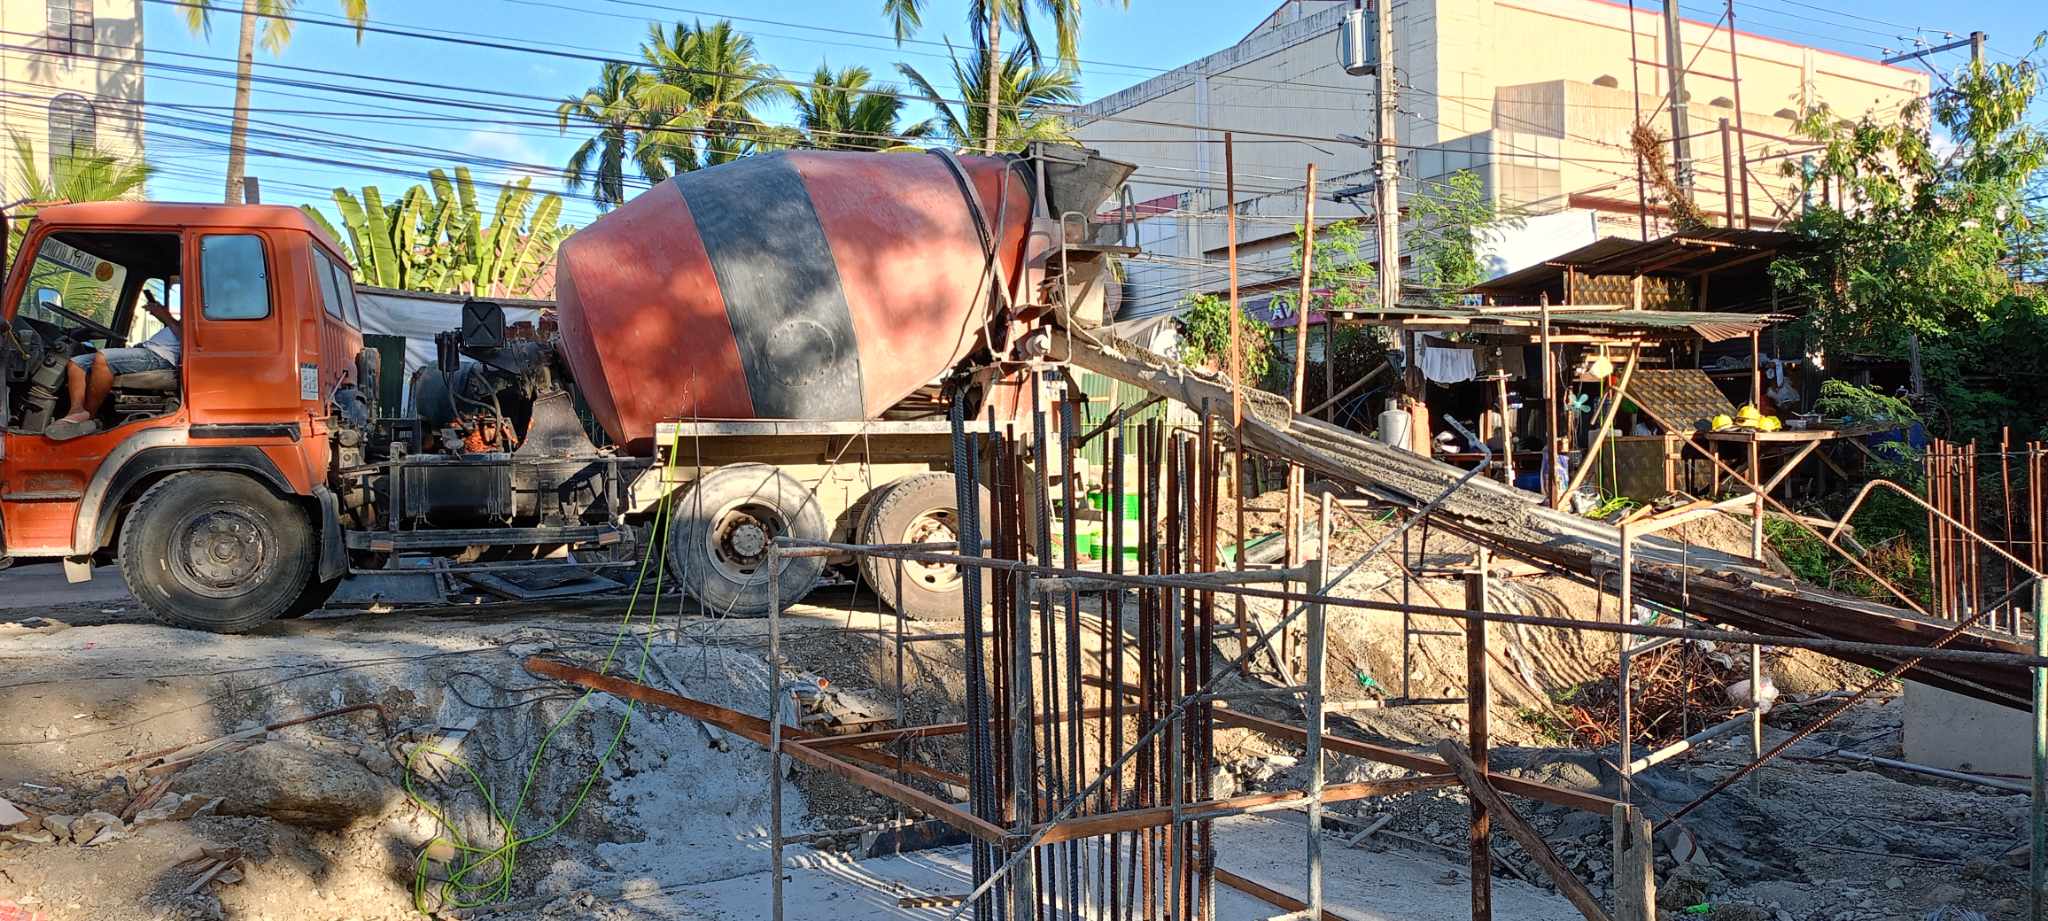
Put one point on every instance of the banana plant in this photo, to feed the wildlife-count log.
(434, 237)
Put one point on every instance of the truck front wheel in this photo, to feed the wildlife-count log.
(721, 532)
(216, 551)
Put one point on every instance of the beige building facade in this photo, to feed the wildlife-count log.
(1536, 97)
(71, 78)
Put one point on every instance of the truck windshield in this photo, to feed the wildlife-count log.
(66, 279)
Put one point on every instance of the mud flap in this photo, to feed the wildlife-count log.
(333, 553)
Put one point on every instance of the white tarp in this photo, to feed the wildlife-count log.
(417, 316)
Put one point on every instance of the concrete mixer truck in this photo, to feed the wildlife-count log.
(754, 349)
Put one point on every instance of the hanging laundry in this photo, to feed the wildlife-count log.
(1446, 363)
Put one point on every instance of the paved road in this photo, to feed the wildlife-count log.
(42, 585)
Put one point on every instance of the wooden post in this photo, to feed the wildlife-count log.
(1635, 868)
(1756, 399)
(1507, 432)
(1292, 521)
(1550, 455)
(1727, 183)
(1479, 742)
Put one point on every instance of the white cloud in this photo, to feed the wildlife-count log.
(520, 155)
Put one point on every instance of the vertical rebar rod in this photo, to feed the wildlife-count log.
(2037, 867)
(1022, 899)
(1313, 705)
(774, 662)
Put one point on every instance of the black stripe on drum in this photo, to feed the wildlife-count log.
(782, 291)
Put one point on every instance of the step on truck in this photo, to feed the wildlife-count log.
(756, 350)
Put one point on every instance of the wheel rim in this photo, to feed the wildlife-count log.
(220, 552)
(739, 538)
(935, 526)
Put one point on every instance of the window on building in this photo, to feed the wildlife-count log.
(73, 127)
(70, 29)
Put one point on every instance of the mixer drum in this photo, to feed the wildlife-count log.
(798, 285)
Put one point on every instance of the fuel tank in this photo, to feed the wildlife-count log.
(798, 285)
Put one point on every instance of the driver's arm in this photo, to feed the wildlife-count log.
(158, 310)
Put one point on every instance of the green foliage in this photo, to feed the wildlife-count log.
(1454, 216)
(1842, 400)
(84, 175)
(1612, 506)
(1205, 337)
(842, 111)
(1923, 238)
(1340, 279)
(1025, 91)
(436, 239)
(690, 102)
(1807, 557)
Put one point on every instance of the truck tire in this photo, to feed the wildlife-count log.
(721, 531)
(216, 551)
(919, 509)
(312, 599)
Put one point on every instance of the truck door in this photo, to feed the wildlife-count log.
(237, 366)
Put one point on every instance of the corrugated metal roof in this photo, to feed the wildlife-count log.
(1680, 254)
(1713, 326)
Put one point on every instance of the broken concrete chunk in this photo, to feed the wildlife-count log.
(96, 828)
(290, 783)
(9, 815)
(195, 806)
(36, 836)
(59, 825)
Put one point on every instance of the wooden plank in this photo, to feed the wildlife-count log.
(1269, 895)
(1568, 885)
(909, 796)
(1635, 871)
(1543, 793)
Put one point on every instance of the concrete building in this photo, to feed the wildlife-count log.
(1538, 97)
(70, 78)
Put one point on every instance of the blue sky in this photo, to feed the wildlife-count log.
(189, 82)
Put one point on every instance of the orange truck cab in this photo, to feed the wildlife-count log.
(208, 478)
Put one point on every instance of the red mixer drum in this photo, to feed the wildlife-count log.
(798, 285)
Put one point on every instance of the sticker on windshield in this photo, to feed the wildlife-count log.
(309, 382)
(73, 258)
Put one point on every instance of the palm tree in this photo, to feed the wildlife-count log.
(700, 92)
(613, 107)
(277, 33)
(1024, 91)
(84, 174)
(986, 19)
(840, 111)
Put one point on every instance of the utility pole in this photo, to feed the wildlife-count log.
(1388, 169)
(1387, 189)
(1674, 64)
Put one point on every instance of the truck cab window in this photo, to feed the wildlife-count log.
(234, 279)
(72, 288)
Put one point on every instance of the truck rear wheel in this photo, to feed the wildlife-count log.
(922, 509)
(216, 552)
(722, 530)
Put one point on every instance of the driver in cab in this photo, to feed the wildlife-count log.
(91, 376)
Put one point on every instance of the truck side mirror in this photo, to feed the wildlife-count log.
(483, 324)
